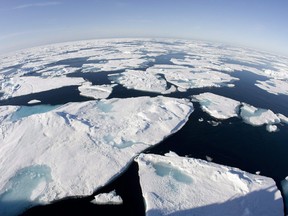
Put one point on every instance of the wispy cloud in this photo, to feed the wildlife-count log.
(42, 4)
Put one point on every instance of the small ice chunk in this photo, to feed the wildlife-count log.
(218, 106)
(206, 188)
(271, 128)
(214, 123)
(95, 91)
(257, 116)
(257, 172)
(200, 119)
(274, 86)
(208, 158)
(110, 198)
(34, 101)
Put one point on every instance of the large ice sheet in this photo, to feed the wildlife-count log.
(83, 145)
(274, 86)
(95, 91)
(19, 86)
(218, 106)
(174, 185)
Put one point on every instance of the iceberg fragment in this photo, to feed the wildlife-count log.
(206, 188)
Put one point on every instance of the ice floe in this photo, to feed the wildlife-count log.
(94, 140)
(110, 198)
(257, 116)
(187, 78)
(218, 106)
(95, 91)
(206, 188)
(274, 86)
(143, 81)
(34, 101)
(221, 107)
(19, 86)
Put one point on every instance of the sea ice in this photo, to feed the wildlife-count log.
(274, 86)
(19, 86)
(257, 116)
(34, 101)
(271, 128)
(95, 91)
(221, 107)
(218, 106)
(84, 145)
(110, 198)
(143, 81)
(187, 78)
(206, 188)
(283, 118)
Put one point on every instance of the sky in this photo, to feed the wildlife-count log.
(260, 24)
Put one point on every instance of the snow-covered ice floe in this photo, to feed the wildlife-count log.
(221, 107)
(274, 86)
(143, 81)
(78, 147)
(110, 198)
(257, 116)
(173, 185)
(218, 106)
(95, 91)
(19, 86)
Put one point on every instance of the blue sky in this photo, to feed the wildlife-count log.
(261, 24)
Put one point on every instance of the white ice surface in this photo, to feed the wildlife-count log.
(34, 101)
(187, 78)
(257, 116)
(19, 86)
(82, 145)
(221, 107)
(218, 106)
(274, 86)
(173, 185)
(143, 81)
(271, 128)
(283, 118)
(95, 91)
(110, 198)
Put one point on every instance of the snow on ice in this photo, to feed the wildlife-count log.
(221, 107)
(110, 198)
(95, 91)
(19, 86)
(94, 140)
(274, 86)
(218, 106)
(206, 188)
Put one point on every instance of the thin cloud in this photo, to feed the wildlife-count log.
(43, 4)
